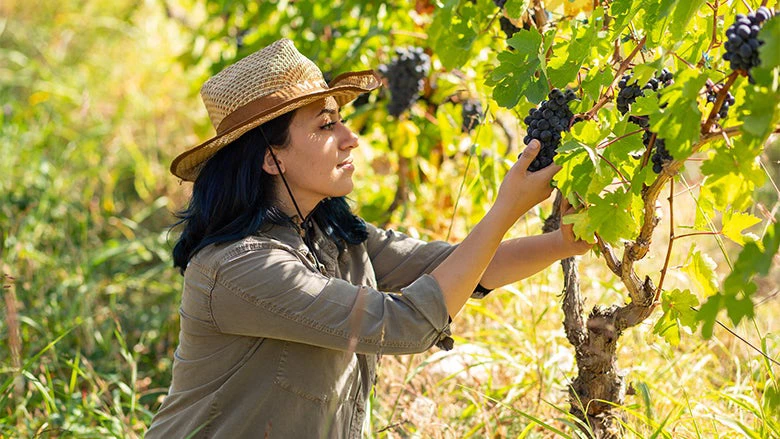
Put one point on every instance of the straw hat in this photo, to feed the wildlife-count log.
(266, 84)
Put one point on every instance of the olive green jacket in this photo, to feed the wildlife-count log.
(271, 347)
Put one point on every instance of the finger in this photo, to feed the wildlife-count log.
(565, 205)
(529, 154)
(549, 171)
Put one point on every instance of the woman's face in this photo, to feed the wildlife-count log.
(317, 163)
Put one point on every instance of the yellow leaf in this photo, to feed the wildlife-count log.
(406, 140)
(570, 7)
(735, 222)
(38, 97)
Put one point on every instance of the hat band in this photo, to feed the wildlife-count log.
(245, 113)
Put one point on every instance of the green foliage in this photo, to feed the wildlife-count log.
(755, 259)
(679, 311)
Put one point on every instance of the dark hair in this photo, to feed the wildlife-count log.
(233, 197)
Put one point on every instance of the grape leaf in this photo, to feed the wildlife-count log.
(708, 313)
(612, 216)
(684, 11)
(405, 139)
(451, 33)
(735, 222)
(701, 269)
(738, 287)
(732, 176)
(596, 80)
(769, 52)
(623, 11)
(568, 59)
(677, 123)
(516, 69)
(657, 18)
(515, 8)
(679, 310)
(754, 259)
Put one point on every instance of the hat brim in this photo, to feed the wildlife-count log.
(344, 88)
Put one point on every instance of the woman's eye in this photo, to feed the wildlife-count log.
(329, 126)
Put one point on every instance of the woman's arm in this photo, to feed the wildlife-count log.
(459, 274)
(520, 258)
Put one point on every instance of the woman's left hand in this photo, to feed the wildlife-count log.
(576, 246)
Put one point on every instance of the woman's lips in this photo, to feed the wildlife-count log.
(346, 164)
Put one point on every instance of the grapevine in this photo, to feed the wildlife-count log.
(405, 75)
(712, 96)
(546, 123)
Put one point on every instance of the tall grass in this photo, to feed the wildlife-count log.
(94, 106)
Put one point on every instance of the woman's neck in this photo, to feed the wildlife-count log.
(305, 205)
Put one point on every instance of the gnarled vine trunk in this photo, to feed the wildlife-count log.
(599, 385)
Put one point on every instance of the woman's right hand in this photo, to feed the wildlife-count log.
(521, 189)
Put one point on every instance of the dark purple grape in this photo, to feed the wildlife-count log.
(546, 122)
(742, 40)
(405, 75)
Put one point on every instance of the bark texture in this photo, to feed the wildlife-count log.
(599, 385)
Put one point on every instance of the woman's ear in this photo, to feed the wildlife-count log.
(269, 164)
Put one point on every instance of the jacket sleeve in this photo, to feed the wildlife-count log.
(399, 259)
(269, 292)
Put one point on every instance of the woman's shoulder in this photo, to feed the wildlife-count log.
(279, 240)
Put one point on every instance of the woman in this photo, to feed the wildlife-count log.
(288, 297)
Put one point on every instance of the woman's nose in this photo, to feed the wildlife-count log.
(350, 139)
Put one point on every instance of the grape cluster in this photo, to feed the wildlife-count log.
(361, 101)
(630, 90)
(546, 123)
(472, 114)
(507, 27)
(405, 75)
(712, 96)
(661, 155)
(743, 43)
(499, 3)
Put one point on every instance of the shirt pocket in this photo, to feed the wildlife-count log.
(320, 375)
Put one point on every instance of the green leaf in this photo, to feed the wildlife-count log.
(657, 18)
(516, 69)
(708, 313)
(678, 307)
(613, 216)
(732, 176)
(668, 328)
(683, 13)
(588, 132)
(578, 166)
(568, 57)
(769, 52)
(595, 81)
(680, 304)
(515, 8)
(739, 307)
(623, 11)
(735, 222)
(678, 122)
(754, 259)
(701, 269)
(451, 33)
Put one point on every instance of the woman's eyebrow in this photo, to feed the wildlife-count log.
(328, 111)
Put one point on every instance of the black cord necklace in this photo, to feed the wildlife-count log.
(306, 228)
